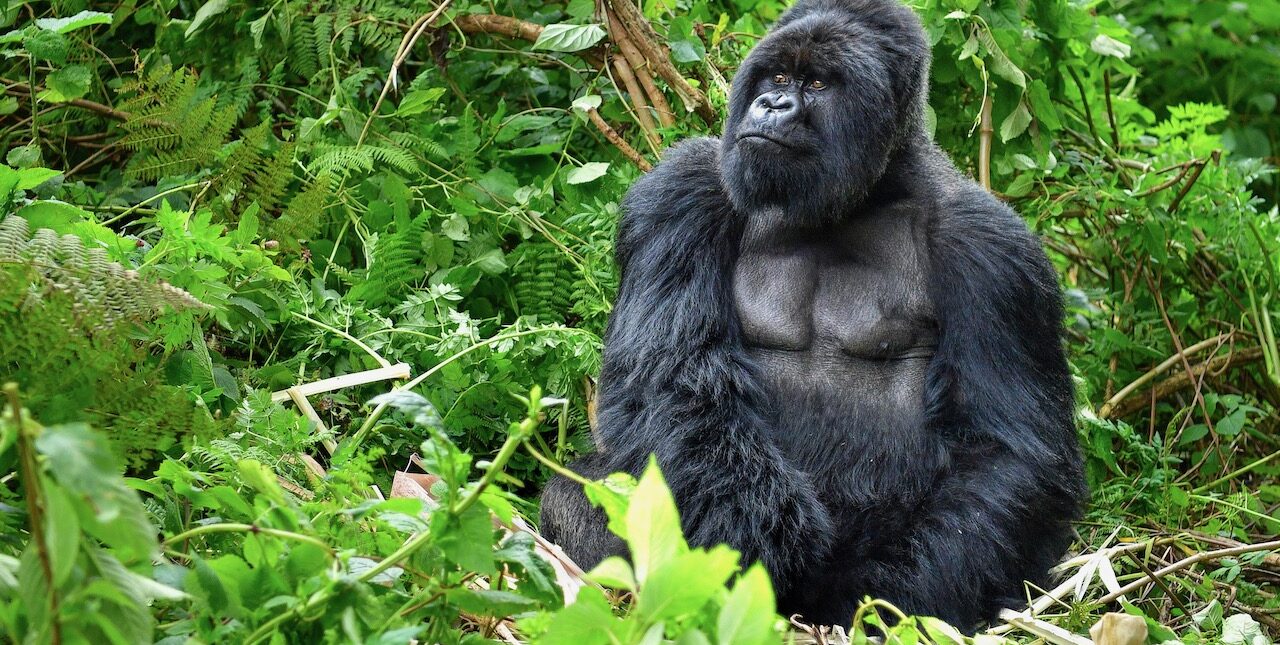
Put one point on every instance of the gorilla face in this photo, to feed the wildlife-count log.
(820, 105)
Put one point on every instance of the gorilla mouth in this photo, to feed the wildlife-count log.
(764, 136)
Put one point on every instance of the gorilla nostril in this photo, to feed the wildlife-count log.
(774, 102)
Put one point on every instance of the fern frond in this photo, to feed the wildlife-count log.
(104, 292)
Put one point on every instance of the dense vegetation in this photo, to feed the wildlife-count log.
(205, 203)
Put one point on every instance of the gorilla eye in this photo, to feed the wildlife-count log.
(818, 85)
(781, 79)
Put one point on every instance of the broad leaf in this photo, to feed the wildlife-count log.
(653, 525)
(562, 37)
(747, 616)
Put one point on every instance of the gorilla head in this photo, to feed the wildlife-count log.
(808, 131)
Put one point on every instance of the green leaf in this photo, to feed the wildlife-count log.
(489, 602)
(587, 172)
(653, 524)
(613, 495)
(465, 539)
(80, 460)
(70, 82)
(261, 478)
(1000, 63)
(940, 632)
(1108, 46)
(591, 102)
(491, 262)
(29, 178)
(614, 572)
(685, 45)
(204, 13)
(419, 101)
(539, 578)
(61, 532)
(682, 584)
(1230, 425)
(71, 23)
(1242, 629)
(43, 44)
(1016, 123)
(562, 37)
(1045, 111)
(748, 614)
(588, 621)
(205, 584)
(417, 407)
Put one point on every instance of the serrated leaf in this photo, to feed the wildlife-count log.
(588, 621)
(490, 602)
(31, 177)
(413, 404)
(419, 101)
(43, 44)
(587, 172)
(562, 37)
(539, 577)
(80, 460)
(71, 82)
(465, 539)
(1016, 123)
(81, 20)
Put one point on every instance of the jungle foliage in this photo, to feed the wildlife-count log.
(205, 202)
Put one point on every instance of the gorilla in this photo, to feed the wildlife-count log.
(846, 356)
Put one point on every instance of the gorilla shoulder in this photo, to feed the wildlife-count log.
(681, 196)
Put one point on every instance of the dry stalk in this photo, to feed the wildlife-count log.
(1110, 406)
(618, 142)
(1186, 562)
(640, 67)
(1182, 380)
(406, 45)
(638, 101)
(644, 38)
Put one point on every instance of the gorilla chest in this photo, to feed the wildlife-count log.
(847, 301)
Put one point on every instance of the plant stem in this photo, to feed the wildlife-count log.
(555, 467)
(520, 434)
(376, 414)
(1235, 473)
(35, 505)
(230, 527)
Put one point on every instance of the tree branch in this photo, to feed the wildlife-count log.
(23, 89)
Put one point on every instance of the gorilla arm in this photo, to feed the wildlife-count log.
(999, 391)
(676, 384)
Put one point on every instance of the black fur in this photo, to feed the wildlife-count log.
(945, 508)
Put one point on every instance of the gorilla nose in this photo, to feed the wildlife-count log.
(772, 108)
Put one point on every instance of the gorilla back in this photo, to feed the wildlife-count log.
(846, 356)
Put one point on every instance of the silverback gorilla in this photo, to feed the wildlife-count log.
(846, 356)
